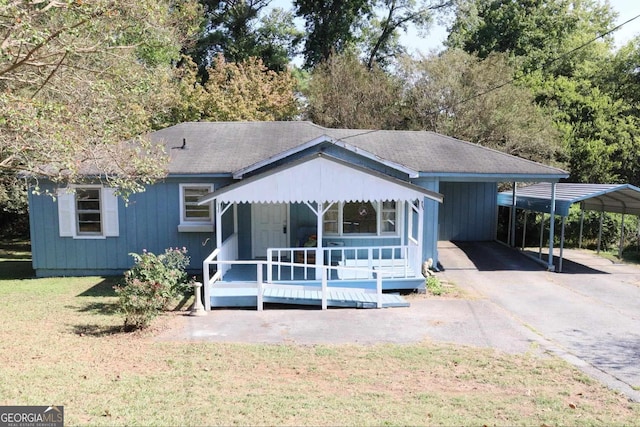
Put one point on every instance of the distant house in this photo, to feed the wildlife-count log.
(248, 188)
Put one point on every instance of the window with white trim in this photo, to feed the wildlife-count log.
(361, 218)
(87, 212)
(194, 217)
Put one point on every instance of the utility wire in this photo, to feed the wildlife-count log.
(546, 64)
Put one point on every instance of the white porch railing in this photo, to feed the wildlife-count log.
(374, 263)
(356, 262)
(262, 285)
(228, 251)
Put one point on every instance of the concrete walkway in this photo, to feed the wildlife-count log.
(589, 314)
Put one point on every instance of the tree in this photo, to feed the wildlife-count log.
(236, 30)
(474, 104)
(330, 26)
(621, 76)
(536, 32)
(601, 135)
(79, 78)
(575, 78)
(381, 36)
(344, 93)
(234, 91)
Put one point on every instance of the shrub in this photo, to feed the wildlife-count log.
(434, 286)
(150, 286)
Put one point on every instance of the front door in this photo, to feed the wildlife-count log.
(268, 227)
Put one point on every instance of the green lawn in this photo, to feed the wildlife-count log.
(61, 344)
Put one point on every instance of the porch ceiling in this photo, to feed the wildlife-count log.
(319, 178)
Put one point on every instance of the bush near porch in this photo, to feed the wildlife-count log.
(67, 348)
(151, 285)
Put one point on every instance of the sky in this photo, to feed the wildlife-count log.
(626, 9)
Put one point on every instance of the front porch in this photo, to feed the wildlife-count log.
(316, 231)
(356, 282)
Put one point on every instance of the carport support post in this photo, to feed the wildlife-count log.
(552, 220)
(581, 228)
(512, 228)
(541, 235)
(564, 220)
(524, 229)
(600, 231)
(621, 248)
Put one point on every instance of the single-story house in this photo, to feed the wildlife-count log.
(289, 191)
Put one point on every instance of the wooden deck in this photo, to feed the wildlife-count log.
(246, 296)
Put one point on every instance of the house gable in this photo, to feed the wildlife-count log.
(321, 144)
(319, 178)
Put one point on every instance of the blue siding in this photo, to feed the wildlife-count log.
(150, 221)
(469, 211)
(431, 218)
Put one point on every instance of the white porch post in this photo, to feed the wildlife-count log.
(319, 251)
(319, 211)
(418, 257)
(219, 212)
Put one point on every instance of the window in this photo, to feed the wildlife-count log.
(194, 217)
(87, 212)
(389, 217)
(361, 218)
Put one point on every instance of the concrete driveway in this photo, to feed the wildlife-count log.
(589, 314)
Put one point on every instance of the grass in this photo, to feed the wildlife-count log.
(61, 344)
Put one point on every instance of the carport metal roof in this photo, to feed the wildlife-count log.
(557, 198)
(618, 198)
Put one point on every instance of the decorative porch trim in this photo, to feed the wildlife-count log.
(319, 178)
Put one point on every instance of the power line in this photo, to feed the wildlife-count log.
(546, 64)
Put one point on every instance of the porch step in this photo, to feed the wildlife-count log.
(247, 297)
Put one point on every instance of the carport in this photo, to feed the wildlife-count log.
(556, 199)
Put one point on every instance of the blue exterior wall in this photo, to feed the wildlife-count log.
(150, 221)
(431, 219)
(469, 211)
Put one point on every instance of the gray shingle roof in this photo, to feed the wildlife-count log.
(226, 147)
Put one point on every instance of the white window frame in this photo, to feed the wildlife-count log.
(377, 205)
(195, 225)
(68, 225)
